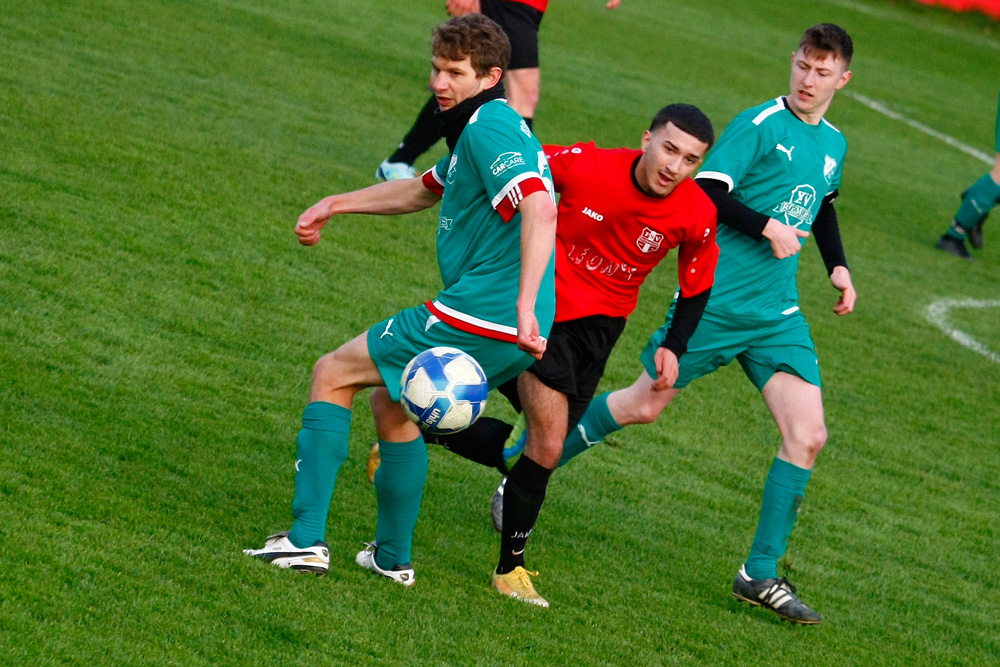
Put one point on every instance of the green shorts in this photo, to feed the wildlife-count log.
(761, 348)
(393, 342)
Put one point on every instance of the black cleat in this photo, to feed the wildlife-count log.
(778, 595)
(953, 246)
(976, 236)
(976, 233)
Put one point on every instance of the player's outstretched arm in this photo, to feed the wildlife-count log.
(390, 198)
(538, 237)
(841, 279)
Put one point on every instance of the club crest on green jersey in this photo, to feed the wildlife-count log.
(798, 209)
(829, 168)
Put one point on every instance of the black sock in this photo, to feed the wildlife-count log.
(522, 500)
(481, 443)
(425, 132)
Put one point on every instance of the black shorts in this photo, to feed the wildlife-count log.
(520, 23)
(574, 361)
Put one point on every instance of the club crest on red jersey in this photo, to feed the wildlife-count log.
(649, 240)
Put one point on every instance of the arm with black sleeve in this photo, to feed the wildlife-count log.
(827, 231)
(697, 258)
(687, 314)
(784, 239)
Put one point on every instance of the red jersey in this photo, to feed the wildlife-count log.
(610, 234)
(540, 5)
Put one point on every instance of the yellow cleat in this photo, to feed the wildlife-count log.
(374, 460)
(517, 584)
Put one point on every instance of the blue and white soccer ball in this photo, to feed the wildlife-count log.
(443, 390)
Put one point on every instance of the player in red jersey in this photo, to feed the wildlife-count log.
(620, 212)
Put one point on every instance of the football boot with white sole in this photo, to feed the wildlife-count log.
(517, 584)
(278, 550)
(401, 574)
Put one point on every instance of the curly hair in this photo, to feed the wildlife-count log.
(475, 37)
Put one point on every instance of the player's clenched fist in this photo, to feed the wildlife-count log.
(784, 239)
(311, 222)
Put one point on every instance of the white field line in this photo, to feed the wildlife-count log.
(902, 18)
(937, 313)
(886, 111)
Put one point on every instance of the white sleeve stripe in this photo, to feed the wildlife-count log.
(778, 105)
(718, 176)
(434, 173)
(515, 196)
(513, 183)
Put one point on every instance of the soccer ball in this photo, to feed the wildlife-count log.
(443, 390)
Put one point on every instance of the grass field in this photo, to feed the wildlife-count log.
(158, 322)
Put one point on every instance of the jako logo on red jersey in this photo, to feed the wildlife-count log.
(587, 211)
(649, 240)
(505, 161)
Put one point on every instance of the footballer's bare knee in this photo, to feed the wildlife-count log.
(325, 372)
(804, 444)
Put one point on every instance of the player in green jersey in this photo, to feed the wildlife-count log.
(495, 239)
(977, 201)
(773, 176)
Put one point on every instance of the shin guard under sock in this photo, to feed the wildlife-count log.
(522, 501)
(399, 487)
(784, 491)
(321, 448)
(596, 424)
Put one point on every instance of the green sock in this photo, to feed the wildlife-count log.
(783, 493)
(399, 486)
(321, 448)
(596, 424)
(978, 201)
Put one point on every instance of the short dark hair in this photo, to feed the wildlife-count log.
(827, 38)
(687, 118)
(475, 37)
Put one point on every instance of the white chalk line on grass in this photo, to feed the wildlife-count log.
(920, 23)
(886, 111)
(937, 313)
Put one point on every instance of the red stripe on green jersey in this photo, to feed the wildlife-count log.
(471, 324)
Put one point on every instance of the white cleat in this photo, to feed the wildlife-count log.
(401, 574)
(278, 550)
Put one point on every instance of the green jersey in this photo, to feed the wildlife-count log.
(496, 163)
(781, 167)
